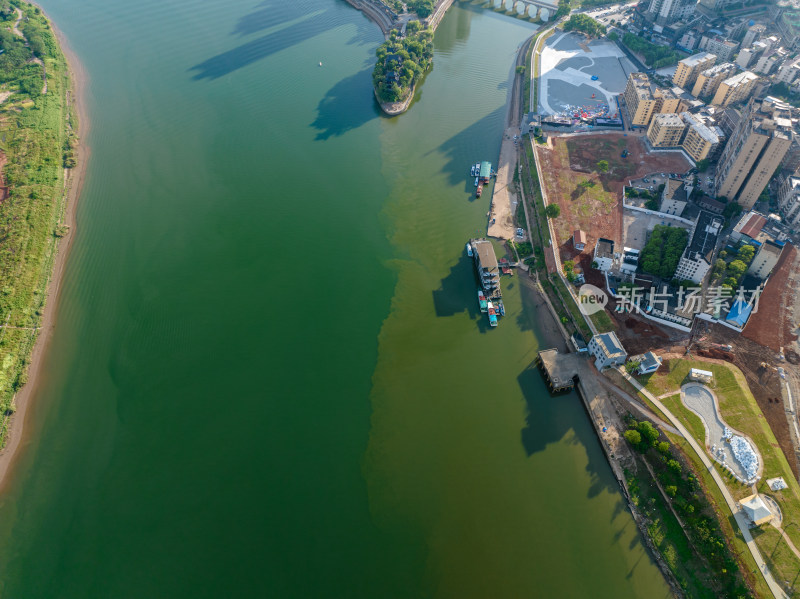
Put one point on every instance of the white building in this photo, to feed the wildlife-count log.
(696, 259)
(648, 363)
(788, 71)
(765, 259)
(607, 350)
(789, 200)
(604, 254)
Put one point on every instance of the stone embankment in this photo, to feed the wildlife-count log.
(379, 13)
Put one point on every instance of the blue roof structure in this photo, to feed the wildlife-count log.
(739, 313)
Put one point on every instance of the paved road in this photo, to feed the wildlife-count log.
(741, 520)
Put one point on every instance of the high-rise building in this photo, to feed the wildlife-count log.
(753, 153)
(753, 34)
(735, 89)
(789, 200)
(708, 81)
(688, 68)
(639, 99)
(701, 141)
(669, 11)
(666, 131)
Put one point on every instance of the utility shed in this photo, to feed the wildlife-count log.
(579, 239)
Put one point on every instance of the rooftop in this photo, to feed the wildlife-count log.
(717, 69)
(675, 190)
(705, 235)
(751, 224)
(693, 61)
(485, 253)
(740, 79)
(609, 344)
(604, 248)
(669, 120)
(700, 128)
(579, 236)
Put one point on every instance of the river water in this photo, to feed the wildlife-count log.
(269, 377)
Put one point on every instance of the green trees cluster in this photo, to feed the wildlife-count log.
(423, 8)
(654, 55)
(663, 250)
(553, 211)
(563, 9)
(14, 62)
(702, 529)
(409, 58)
(584, 24)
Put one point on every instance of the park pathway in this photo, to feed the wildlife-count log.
(740, 518)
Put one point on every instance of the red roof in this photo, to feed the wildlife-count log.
(579, 236)
(754, 225)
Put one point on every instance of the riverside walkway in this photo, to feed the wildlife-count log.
(738, 515)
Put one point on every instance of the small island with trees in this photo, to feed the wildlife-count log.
(402, 61)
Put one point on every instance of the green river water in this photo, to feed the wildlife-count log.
(269, 377)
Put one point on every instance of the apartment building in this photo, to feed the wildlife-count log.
(754, 152)
(709, 80)
(753, 34)
(735, 89)
(723, 48)
(673, 198)
(765, 259)
(769, 60)
(669, 11)
(701, 141)
(788, 71)
(789, 200)
(687, 70)
(639, 99)
(666, 131)
(696, 259)
(670, 100)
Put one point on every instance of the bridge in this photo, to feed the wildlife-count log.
(532, 8)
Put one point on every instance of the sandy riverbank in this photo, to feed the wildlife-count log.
(72, 188)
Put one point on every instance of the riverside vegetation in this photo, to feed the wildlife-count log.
(401, 62)
(37, 145)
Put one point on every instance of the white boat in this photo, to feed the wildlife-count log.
(476, 181)
(469, 249)
(320, 64)
(472, 170)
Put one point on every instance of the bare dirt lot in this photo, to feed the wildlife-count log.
(773, 324)
(591, 200)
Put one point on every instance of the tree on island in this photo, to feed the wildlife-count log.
(401, 62)
(552, 211)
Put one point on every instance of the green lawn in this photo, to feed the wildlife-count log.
(740, 410)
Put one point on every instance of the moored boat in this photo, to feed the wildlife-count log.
(469, 249)
(484, 305)
(501, 309)
(492, 315)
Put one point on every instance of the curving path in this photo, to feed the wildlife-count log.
(703, 402)
(738, 515)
